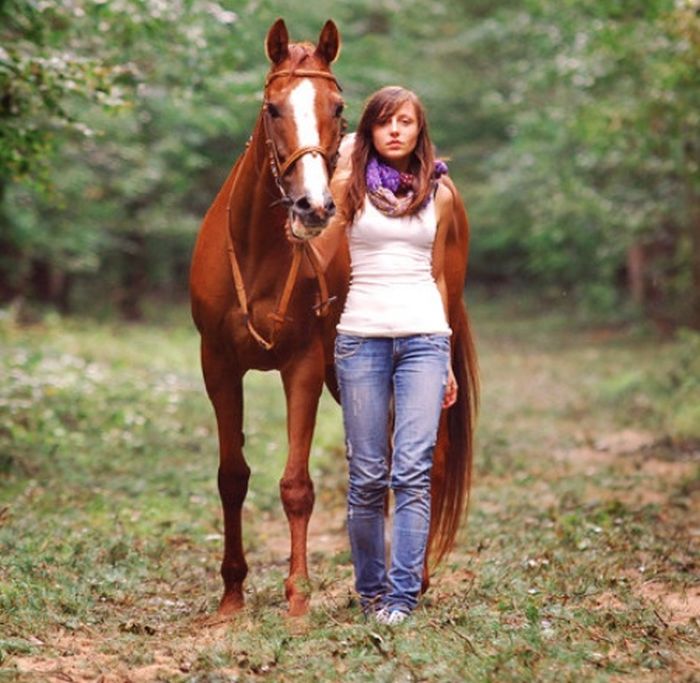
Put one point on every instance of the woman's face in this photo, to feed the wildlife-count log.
(395, 139)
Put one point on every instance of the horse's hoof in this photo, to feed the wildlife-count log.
(298, 626)
(230, 605)
(298, 606)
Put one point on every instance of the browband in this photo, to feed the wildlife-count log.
(302, 73)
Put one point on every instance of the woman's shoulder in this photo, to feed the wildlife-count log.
(345, 150)
(445, 193)
(343, 167)
(449, 206)
(447, 188)
(346, 144)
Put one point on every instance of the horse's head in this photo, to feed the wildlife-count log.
(302, 117)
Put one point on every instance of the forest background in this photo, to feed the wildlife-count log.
(572, 129)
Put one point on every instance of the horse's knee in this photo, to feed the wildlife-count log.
(233, 483)
(297, 496)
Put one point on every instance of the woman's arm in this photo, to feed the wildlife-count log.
(443, 211)
(444, 207)
(326, 244)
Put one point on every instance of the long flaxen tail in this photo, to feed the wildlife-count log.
(452, 459)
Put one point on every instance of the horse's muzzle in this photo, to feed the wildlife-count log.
(309, 228)
(313, 216)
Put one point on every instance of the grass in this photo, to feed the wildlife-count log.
(579, 562)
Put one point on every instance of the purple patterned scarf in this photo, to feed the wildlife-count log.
(392, 191)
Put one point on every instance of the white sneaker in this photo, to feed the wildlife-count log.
(390, 617)
(381, 615)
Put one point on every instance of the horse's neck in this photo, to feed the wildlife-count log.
(255, 222)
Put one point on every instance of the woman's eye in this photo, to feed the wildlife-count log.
(272, 110)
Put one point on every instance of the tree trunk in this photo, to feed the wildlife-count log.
(635, 273)
(50, 285)
(134, 278)
(9, 254)
(695, 261)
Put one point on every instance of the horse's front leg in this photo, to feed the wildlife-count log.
(224, 385)
(303, 383)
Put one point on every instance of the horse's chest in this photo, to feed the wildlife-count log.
(263, 325)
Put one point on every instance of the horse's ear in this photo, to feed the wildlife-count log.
(277, 42)
(328, 46)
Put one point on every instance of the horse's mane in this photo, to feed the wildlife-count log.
(299, 53)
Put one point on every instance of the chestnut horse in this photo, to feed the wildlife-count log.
(260, 302)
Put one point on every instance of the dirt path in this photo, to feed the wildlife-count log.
(581, 558)
(173, 650)
(173, 640)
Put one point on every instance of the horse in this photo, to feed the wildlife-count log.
(250, 316)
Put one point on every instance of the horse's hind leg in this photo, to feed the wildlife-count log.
(225, 388)
(303, 382)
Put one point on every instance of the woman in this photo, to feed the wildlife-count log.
(393, 343)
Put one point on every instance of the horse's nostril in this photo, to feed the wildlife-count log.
(302, 204)
(330, 207)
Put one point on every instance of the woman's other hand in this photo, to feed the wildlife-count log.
(450, 390)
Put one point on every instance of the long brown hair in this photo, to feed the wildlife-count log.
(379, 108)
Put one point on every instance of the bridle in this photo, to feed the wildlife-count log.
(280, 169)
(299, 249)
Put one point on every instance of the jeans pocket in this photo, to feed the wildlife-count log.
(347, 346)
(441, 342)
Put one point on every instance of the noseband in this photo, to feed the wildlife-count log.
(280, 169)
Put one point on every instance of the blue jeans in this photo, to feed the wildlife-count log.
(372, 372)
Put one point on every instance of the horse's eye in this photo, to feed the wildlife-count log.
(272, 110)
(339, 110)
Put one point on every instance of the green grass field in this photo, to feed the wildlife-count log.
(580, 560)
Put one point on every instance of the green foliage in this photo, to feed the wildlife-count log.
(601, 102)
(47, 72)
(571, 129)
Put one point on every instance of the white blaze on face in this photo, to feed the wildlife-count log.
(313, 166)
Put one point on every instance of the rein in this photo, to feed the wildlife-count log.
(279, 170)
(279, 317)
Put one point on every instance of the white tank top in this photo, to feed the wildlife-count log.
(392, 289)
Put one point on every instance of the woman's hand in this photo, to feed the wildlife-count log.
(450, 390)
